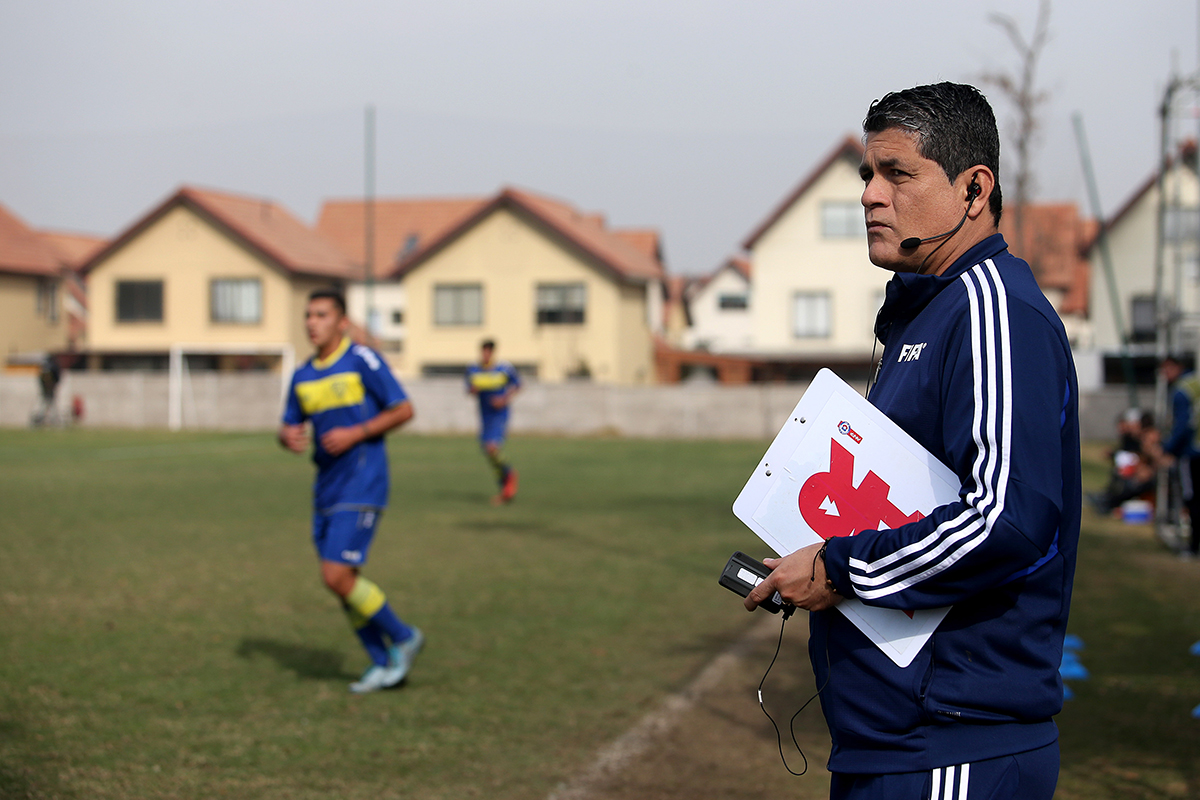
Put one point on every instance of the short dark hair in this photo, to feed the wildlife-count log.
(488, 344)
(953, 124)
(330, 293)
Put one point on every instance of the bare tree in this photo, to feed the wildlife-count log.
(1020, 91)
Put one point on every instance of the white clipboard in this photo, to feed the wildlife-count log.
(838, 466)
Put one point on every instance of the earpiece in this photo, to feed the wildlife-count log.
(973, 190)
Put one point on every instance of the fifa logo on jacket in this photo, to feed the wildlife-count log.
(911, 352)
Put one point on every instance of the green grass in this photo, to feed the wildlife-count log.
(163, 631)
(165, 634)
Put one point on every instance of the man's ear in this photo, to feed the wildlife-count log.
(976, 185)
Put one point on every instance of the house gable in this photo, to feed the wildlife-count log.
(510, 253)
(185, 251)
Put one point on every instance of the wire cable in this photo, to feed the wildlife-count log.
(792, 721)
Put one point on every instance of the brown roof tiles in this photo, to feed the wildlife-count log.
(401, 226)
(585, 233)
(260, 224)
(24, 251)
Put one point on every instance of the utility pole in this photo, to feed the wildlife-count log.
(1106, 260)
(1167, 316)
(369, 220)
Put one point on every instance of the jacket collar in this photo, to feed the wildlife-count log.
(907, 293)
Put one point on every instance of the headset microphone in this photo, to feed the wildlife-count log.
(913, 242)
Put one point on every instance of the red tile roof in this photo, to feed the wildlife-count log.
(74, 248)
(849, 148)
(646, 240)
(401, 226)
(584, 233)
(1054, 242)
(259, 224)
(24, 251)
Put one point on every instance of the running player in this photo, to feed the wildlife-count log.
(495, 383)
(352, 400)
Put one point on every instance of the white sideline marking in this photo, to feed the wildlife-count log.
(627, 747)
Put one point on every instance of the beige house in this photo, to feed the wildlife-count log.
(815, 293)
(219, 277)
(400, 226)
(33, 320)
(561, 294)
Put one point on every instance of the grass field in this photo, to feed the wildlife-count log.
(164, 633)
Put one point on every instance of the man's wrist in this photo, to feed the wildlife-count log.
(825, 569)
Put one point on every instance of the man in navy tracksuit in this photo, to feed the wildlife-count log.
(977, 368)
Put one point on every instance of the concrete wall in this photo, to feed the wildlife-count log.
(252, 402)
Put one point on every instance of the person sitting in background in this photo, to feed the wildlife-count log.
(1135, 462)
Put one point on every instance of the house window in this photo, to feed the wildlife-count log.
(842, 219)
(237, 300)
(733, 302)
(1181, 225)
(561, 303)
(810, 315)
(1143, 324)
(458, 304)
(47, 299)
(139, 301)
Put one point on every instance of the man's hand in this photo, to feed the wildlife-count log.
(336, 441)
(294, 438)
(797, 580)
(500, 400)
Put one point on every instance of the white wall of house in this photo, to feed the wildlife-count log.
(1131, 244)
(390, 303)
(721, 314)
(814, 290)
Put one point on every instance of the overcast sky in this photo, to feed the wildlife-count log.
(693, 118)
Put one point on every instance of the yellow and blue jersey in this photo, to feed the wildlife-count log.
(348, 388)
(488, 382)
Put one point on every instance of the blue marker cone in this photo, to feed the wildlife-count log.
(1195, 649)
(1071, 669)
(1196, 712)
(1072, 642)
(1068, 694)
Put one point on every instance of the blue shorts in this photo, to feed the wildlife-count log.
(343, 535)
(1031, 775)
(493, 430)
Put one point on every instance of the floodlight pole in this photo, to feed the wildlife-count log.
(1106, 259)
(369, 220)
(1165, 319)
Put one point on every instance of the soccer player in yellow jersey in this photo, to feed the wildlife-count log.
(352, 399)
(495, 383)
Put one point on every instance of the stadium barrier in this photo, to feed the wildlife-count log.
(250, 401)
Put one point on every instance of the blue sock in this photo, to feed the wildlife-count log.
(386, 619)
(369, 602)
(369, 635)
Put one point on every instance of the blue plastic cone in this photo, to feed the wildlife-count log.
(1071, 669)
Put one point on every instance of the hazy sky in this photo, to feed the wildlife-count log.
(693, 118)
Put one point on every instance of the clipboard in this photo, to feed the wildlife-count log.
(839, 466)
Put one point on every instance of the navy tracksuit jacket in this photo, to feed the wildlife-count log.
(977, 368)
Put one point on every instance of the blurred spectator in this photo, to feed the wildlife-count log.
(1185, 394)
(1135, 462)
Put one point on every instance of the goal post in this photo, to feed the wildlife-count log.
(179, 377)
